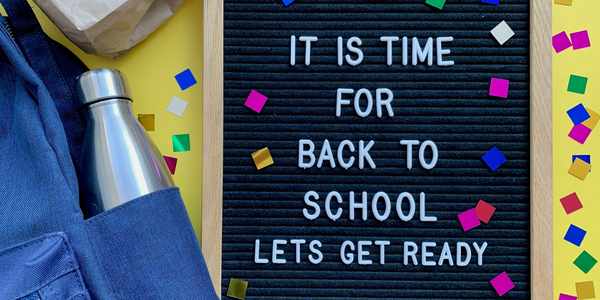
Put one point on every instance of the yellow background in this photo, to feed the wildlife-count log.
(150, 68)
(584, 14)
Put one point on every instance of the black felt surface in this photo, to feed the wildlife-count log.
(448, 105)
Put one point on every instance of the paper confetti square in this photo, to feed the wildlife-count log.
(484, 211)
(577, 84)
(287, 2)
(585, 290)
(502, 284)
(439, 4)
(561, 42)
(585, 262)
(171, 163)
(493, 2)
(502, 32)
(237, 288)
(468, 219)
(593, 120)
(580, 133)
(494, 158)
(256, 101)
(566, 297)
(575, 235)
(564, 2)
(148, 121)
(181, 142)
(585, 157)
(262, 158)
(580, 169)
(580, 40)
(185, 79)
(499, 87)
(571, 203)
(177, 106)
(578, 114)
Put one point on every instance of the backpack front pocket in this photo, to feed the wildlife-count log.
(42, 268)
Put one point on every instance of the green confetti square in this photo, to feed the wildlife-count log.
(181, 143)
(237, 288)
(585, 262)
(439, 4)
(577, 84)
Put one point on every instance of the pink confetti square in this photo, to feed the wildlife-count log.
(566, 297)
(469, 220)
(580, 133)
(571, 203)
(499, 87)
(256, 101)
(580, 39)
(561, 42)
(502, 284)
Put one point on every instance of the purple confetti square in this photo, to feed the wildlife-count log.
(561, 42)
(502, 284)
(499, 87)
(469, 220)
(580, 133)
(580, 40)
(566, 297)
(256, 101)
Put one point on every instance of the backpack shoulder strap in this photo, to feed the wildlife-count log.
(55, 65)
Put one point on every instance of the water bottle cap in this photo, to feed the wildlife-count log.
(101, 84)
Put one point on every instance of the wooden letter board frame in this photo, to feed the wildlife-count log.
(540, 149)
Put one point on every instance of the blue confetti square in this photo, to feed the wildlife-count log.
(287, 2)
(494, 158)
(494, 2)
(575, 235)
(185, 79)
(578, 114)
(585, 157)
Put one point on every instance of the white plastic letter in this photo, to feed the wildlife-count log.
(359, 54)
(421, 54)
(389, 40)
(409, 151)
(338, 198)
(387, 102)
(257, 259)
(411, 203)
(375, 201)
(441, 51)
(307, 201)
(339, 101)
(303, 153)
(308, 40)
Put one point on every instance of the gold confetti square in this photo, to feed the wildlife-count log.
(147, 121)
(585, 290)
(564, 2)
(237, 288)
(580, 169)
(593, 120)
(262, 158)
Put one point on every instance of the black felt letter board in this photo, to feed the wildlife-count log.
(448, 105)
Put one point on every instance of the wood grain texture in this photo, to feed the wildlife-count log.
(541, 150)
(212, 175)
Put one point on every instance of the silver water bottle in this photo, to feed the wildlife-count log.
(120, 162)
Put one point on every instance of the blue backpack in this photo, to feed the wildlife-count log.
(145, 249)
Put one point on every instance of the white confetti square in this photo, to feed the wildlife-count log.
(502, 32)
(177, 106)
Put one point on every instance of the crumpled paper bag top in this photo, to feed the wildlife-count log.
(108, 27)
